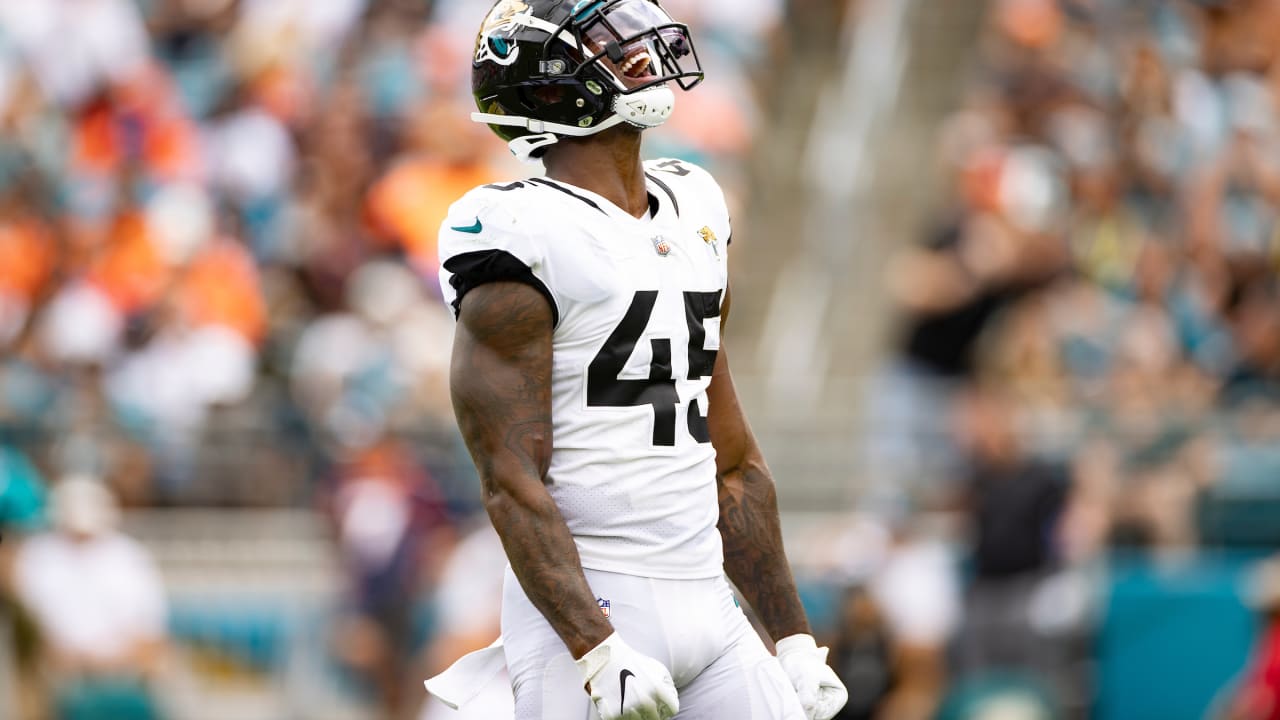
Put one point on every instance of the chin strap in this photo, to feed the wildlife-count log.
(541, 126)
(646, 109)
(545, 133)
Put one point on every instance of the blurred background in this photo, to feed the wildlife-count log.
(1007, 322)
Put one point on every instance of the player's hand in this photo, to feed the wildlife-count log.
(821, 692)
(627, 685)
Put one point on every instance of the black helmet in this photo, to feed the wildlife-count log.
(546, 69)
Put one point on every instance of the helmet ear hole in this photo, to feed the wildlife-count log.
(548, 94)
(529, 103)
(540, 97)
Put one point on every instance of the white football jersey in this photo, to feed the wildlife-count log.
(637, 327)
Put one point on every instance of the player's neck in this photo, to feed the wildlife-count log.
(607, 164)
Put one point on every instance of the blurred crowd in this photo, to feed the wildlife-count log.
(218, 288)
(1089, 357)
(1104, 280)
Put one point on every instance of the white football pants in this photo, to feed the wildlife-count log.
(695, 628)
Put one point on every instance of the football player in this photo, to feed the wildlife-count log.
(595, 397)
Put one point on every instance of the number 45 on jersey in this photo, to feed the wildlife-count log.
(606, 389)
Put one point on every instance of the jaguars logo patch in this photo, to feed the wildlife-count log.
(494, 43)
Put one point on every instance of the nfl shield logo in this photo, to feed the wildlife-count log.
(661, 245)
(604, 606)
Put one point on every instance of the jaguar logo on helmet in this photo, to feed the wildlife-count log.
(497, 49)
(493, 44)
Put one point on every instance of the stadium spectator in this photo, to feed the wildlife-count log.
(468, 599)
(22, 511)
(99, 605)
(393, 534)
(861, 655)
(1258, 696)
(917, 593)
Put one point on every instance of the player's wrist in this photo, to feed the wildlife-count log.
(799, 642)
(588, 639)
(594, 660)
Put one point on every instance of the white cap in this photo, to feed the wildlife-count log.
(84, 506)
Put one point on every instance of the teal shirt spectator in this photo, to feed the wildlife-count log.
(23, 499)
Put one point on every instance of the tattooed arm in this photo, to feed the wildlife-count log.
(501, 387)
(753, 554)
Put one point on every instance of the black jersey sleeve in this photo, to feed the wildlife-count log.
(470, 270)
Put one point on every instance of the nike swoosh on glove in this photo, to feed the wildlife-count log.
(627, 685)
(821, 692)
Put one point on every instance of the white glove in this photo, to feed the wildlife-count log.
(627, 685)
(821, 692)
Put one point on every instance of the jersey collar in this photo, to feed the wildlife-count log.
(662, 202)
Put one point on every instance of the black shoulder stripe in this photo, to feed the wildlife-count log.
(473, 269)
(553, 186)
(506, 188)
(667, 189)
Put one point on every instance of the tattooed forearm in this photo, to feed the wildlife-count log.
(501, 388)
(753, 554)
(545, 560)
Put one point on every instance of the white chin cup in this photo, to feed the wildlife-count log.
(647, 108)
(525, 147)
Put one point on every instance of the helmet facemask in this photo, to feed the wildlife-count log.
(635, 44)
